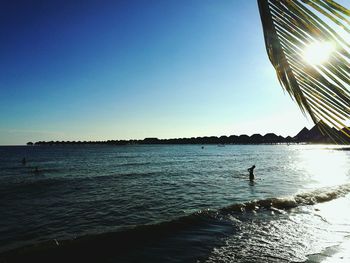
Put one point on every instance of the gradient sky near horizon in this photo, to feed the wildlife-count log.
(98, 70)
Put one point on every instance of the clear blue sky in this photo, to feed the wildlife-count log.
(97, 70)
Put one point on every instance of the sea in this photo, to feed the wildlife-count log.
(174, 203)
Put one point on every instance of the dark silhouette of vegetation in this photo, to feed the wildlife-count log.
(313, 135)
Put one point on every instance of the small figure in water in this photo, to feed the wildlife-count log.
(36, 171)
(251, 173)
(24, 161)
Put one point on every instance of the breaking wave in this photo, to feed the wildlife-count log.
(202, 225)
(288, 202)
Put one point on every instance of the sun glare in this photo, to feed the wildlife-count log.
(318, 52)
(326, 167)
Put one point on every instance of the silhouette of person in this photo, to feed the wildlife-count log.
(24, 161)
(251, 173)
(36, 170)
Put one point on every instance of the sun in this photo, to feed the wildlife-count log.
(318, 53)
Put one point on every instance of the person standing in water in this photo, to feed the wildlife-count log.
(251, 173)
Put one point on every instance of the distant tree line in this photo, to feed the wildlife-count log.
(233, 139)
(313, 135)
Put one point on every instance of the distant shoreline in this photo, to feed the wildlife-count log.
(312, 136)
(223, 140)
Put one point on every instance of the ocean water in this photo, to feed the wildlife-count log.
(175, 203)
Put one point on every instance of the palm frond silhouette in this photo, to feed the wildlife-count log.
(320, 88)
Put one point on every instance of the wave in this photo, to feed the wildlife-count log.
(133, 164)
(121, 246)
(205, 225)
(308, 198)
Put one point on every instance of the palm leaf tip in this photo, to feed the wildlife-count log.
(321, 89)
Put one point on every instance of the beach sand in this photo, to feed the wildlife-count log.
(335, 254)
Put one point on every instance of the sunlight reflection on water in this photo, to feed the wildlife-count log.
(324, 166)
(84, 190)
